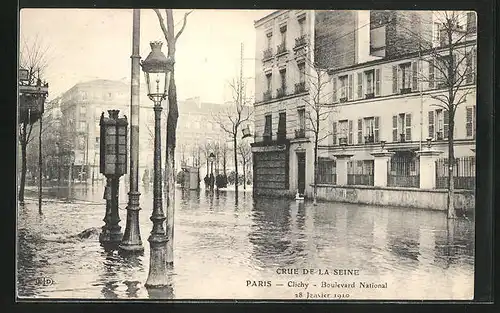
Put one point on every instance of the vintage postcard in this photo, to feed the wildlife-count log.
(246, 154)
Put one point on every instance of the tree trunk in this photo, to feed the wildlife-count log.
(24, 144)
(236, 181)
(22, 182)
(172, 117)
(244, 174)
(451, 165)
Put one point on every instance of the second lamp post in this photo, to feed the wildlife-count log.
(157, 69)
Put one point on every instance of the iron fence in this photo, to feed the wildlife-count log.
(403, 172)
(464, 173)
(360, 173)
(326, 171)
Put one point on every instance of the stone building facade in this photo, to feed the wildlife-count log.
(374, 86)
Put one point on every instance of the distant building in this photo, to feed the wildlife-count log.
(81, 107)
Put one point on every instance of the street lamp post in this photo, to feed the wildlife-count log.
(211, 180)
(157, 69)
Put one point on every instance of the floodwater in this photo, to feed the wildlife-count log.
(225, 250)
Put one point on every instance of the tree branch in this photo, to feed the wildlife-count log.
(183, 25)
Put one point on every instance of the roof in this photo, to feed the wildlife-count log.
(267, 16)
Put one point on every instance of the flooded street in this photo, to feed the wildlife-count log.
(221, 246)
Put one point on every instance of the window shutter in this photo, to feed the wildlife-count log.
(468, 122)
(468, 70)
(446, 122)
(360, 131)
(360, 85)
(334, 133)
(350, 132)
(408, 127)
(474, 65)
(350, 95)
(454, 73)
(414, 71)
(394, 79)
(334, 95)
(376, 129)
(431, 124)
(474, 121)
(394, 128)
(431, 74)
(377, 82)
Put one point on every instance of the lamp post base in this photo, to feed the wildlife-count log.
(111, 235)
(157, 277)
(131, 242)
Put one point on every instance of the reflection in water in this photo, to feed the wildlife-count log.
(270, 232)
(217, 237)
(161, 293)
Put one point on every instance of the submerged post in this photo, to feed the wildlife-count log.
(131, 241)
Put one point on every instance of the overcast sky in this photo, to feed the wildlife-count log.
(97, 43)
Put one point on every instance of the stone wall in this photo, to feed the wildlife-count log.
(432, 199)
(335, 38)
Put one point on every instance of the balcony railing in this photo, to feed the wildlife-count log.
(402, 137)
(439, 136)
(300, 41)
(267, 54)
(300, 133)
(369, 139)
(405, 90)
(300, 87)
(281, 48)
(281, 135)
(369, 95)
(343, 141)
(280, 92)
(267, 95)
(342, 100)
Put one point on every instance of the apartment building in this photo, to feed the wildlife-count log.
(375, 87)
(81, 108)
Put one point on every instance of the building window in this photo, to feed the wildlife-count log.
(405, 77)
(470, 121)
(269, 82)
(282, 126)
(83, 126)
(401, 127)
(283, 35)
(343, 88)
(444, 63)
(370, 83)
(268, 125)
(302, 119)
(269, 40)
(369, 134)
(471, 67)
(282, 90)
(302, 25)
(436, 34)
(471, 22)
(302, 72)
(81, 143)
(343, 131)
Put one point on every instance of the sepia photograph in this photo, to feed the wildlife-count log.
(217, 154)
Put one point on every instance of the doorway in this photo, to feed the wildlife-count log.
(301, 172)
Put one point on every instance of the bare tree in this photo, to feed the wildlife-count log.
(34, 58)
(451, 63)
(317, 111)
(173, 115)
(231, 119)
(245, 152)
